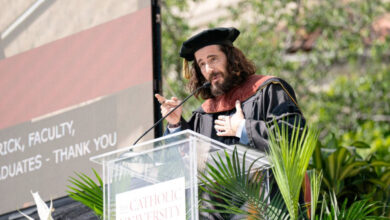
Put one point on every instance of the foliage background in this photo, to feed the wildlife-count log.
(334, 53)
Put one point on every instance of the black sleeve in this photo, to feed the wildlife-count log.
(276, 102)
(184, 125)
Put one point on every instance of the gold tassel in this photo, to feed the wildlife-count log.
(186, 69)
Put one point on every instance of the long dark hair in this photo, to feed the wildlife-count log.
(237, 65)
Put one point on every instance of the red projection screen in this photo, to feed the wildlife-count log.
(77, 96)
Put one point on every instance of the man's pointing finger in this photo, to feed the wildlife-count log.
(161, 99)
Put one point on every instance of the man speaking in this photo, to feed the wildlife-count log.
(239, 105)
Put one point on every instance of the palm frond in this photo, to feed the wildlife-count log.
(231, 189)
(87, 191)
(289, 153)
(315, 186)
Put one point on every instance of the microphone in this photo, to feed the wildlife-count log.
(204, 86)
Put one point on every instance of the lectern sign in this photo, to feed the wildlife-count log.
(161, 201)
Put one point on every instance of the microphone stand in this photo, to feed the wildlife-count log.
(205, 85)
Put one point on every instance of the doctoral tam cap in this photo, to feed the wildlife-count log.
(221, 36)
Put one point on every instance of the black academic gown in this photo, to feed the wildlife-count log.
(274, 99)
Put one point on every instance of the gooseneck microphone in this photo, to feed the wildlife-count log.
(205, 85)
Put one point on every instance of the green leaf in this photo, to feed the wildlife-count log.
(361, 145)
(352, 169)
(87, 192)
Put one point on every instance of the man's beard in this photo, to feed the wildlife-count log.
(218, 88)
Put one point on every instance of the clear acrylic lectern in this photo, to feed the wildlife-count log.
(158, 179)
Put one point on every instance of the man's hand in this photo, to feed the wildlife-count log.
(228, 125)
(167, 105)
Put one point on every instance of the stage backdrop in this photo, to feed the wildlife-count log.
(69, 99)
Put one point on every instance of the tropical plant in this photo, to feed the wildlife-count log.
(233, 191)
(86, 191)
(289, 154)
(351, 176)
(336, 165)
(362, 209)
